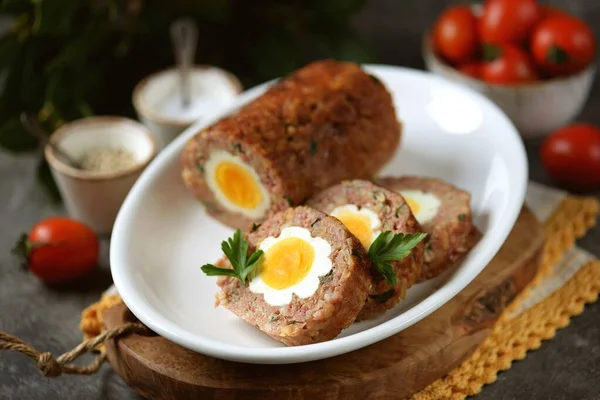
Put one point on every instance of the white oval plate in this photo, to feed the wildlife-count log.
(162, 235)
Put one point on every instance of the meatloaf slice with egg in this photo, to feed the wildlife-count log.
(324, 123)
(311, 282)
(444, 212)
(367, 210)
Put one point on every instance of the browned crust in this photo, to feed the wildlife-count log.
(451, 231)
(327, 122)
(395, 216)
(335, 304)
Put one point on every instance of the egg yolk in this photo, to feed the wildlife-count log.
(287, 263)
(359, 225)
(238, 185)
(413, 205)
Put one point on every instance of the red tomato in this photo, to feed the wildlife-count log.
(455, 34)
(60, 250)
(508, 21)
(510, 66)
(571, 156)
(471, 69)
(551, 11)
(563, 45)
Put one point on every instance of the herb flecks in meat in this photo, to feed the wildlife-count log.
(383, 297)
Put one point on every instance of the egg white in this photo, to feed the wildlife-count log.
(352, 208)
(429, 204)
(217, 157)
(321, 266)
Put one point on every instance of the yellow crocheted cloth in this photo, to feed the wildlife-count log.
(92, 319)
(512, 337)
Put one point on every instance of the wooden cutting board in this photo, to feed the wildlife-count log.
(391, 369)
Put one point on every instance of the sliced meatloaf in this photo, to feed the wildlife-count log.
(359, 203)
(324, 123)
(444, 212)
(339, 294)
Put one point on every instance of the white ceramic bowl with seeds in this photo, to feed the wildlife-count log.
(111, 153)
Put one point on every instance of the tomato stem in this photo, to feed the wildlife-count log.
(556, 55)
(22, 249)
(491, 52)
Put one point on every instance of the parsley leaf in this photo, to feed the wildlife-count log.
(236, 251)
(392, 247)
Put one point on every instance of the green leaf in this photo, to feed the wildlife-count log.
(251, 265)
(14, 137)
(337, 8)
(491, 52)
(382, 240)
(388, 272)
(392, 247)
(16, 6)
(45, 179)
(236, 251)
(556, 55)
(9, 48)
(275, 53)
(401, 245)
(212, 270)
(254, 257)
(344, 45)
(85, 109)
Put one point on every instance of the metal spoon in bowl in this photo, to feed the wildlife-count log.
(31, 125)
(184, 35)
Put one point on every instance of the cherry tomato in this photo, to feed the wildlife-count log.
(455, 34)
(508, 21)
(563, 45)
(471, 69)
(551, 11)
(510, 65)
(571, 156)
(59, 250)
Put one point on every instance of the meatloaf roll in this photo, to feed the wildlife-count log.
(311, 282)
(326, 122)
(367, 210)
(444, 212)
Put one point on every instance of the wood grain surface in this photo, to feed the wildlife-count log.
(391, 369)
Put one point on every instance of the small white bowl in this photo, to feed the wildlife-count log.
(153, 98)
(93, 197)
(537, 108)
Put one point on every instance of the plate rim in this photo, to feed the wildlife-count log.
(311, 352)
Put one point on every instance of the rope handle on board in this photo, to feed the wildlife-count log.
(53, 367)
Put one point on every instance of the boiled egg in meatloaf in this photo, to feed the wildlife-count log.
(424, 206)
(361, 222)
(236, 185)
(292, 264)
